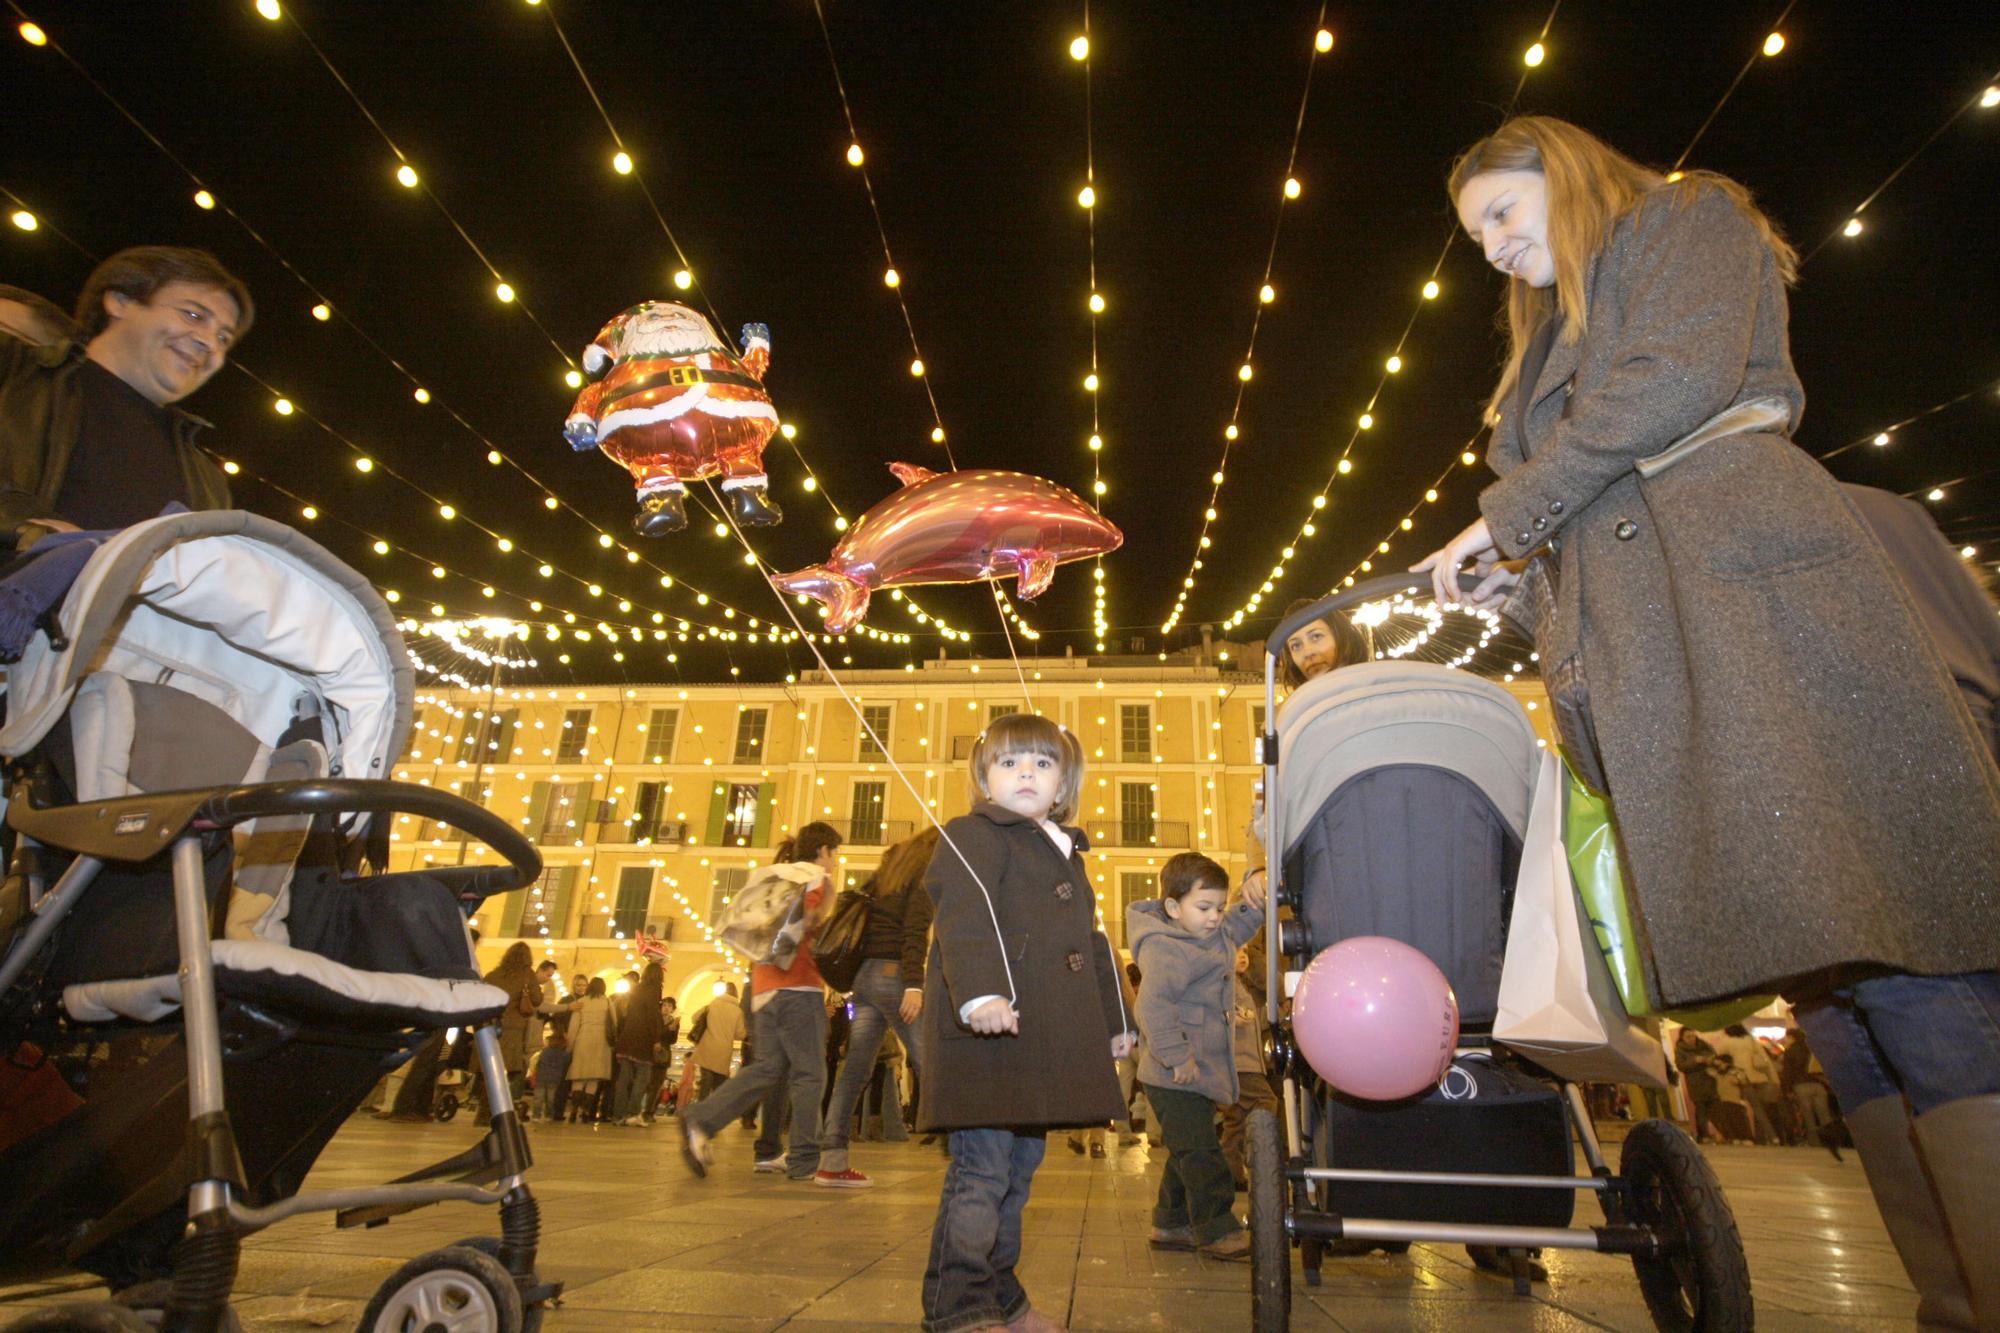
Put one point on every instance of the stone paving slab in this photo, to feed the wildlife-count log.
(642, 1245)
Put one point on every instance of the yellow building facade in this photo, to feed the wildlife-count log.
(652, 804)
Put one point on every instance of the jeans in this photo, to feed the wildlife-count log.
(628, 1094)
(976, 1240)
(1930, 1039)
(545, 1101)
(878, 1000)
(1196, 1191)
(791, 1050)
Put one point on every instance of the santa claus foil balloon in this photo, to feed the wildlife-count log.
(954, 527)
(670, 403)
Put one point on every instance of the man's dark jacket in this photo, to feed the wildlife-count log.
(41, 414)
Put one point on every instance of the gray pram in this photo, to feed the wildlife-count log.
(1396, 797)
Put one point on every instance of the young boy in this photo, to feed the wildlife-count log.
(1022, 1015)
(551, 1068)
(1185, 946)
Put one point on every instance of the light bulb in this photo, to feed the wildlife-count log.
(269, 9)
(1087, 196)
(1079, 48)
(1534, 55)
(1431, 290)
(283, 407)
(1291, 187)
(1244, 372)
(917, 368)
(406, 176)
(25, 220)
(683, 279)
(322, 312)
(621, 162)
(1096, 303)
(855, 157)
(573, 378)
(1853, 227)
(891, 278)
(1323, 41)
(203, 199)
(1774, 43)
(33, 35)
(1394, 364)
(1267, 293)
(1090, 382)
(422, 394)
(937, 434)
(504, 292)
(1230, 432)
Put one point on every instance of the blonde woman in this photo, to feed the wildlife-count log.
(1803, 802)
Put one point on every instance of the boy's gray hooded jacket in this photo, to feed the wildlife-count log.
(1187, 992)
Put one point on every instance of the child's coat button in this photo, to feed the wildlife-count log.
(1075, 961)
(1064, 891)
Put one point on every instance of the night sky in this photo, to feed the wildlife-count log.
(972, 118)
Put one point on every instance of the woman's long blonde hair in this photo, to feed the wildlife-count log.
(1591, 187)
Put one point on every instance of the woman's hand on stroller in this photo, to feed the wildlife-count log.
(1475, 544)
(1253, 889)
(1187, 1071)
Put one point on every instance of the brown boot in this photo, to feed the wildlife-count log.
(1960, 1145)
(1905, 1197)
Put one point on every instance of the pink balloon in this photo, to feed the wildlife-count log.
(1376, 1018)
(954, 527)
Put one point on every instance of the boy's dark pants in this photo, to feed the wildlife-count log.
(976, 1241)
(1195, 1188)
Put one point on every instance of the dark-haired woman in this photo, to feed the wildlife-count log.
(1803, 802)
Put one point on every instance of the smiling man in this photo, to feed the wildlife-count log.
(90, 436)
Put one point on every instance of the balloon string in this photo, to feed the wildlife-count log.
(1013, 995)
(1019, 674)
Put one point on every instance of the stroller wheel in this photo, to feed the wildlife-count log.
(1270, 1248)
(447, 1107)
(1702, 1280)
(531, 1315)
(457, 1289)
(90, 1317)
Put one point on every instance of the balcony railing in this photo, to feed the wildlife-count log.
(1152, 833)
(872, 832)
(670, 832)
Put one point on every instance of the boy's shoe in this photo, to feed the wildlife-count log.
(1235, 1248)
(848, 1179)
(1171, 1238)
(694, 1149)
(769, 1166)
(1097, 1150)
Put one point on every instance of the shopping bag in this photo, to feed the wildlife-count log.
(766, 920)
(1589, 836)
(1559, 1005)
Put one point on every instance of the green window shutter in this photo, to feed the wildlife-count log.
(767, 797)
(538, 808)
(718, 812)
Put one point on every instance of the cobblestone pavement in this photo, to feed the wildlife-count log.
(642, 1245)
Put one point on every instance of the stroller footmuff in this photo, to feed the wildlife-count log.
(195, 991)
(1397, 796)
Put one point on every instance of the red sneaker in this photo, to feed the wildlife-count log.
(849, 1179)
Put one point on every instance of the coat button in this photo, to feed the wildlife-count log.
(1556, 506)
(1540, 524)
(1075, 961)
(1626, 530)
(1064, 891)
(1522, 538)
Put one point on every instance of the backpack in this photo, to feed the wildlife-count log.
(700, 1028)
(838, 949)
(766, 920)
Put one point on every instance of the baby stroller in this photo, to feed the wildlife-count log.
(195, 993)
(1405, 796)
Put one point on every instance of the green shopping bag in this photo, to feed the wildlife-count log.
(1593, 864)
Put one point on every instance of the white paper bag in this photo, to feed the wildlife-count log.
(1558, 1003)
(766, 920)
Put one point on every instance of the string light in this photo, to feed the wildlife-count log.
(406, 176)
(270, 10)
(23, 219)
(1534, 56)
(621, 162)
(32, 34)
(1774, 43)
(204, 200)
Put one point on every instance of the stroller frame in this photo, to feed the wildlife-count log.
(134, 828)
(1673, 1222)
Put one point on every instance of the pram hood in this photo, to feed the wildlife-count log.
(241, 612)
(1349, 721)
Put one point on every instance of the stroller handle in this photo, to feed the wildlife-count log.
(1368, 590)
(327, 796)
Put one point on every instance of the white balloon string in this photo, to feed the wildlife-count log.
(1019, 674)
(806, 636)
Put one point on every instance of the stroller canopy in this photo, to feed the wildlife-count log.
(245, 614)
(1362, 717)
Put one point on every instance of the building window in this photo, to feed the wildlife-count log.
(488, 739)
(475, 792)
(1138, 823)
(646, 810)
(750, 734)
(875, 720)
(542, 911)
(573, 745)
(994, 712)
(729, 881)
(1256, 727)
(739, 818)
(1135, 731)
(635, 896)
(660, 729)
(866, 824)
(566, 807)
(1134, 886)
(858, 877)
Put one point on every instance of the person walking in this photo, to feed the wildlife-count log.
(590, 1038)
(638, 1034)
(715, 1032)
(888, 995)
(1707, 607)
(515, 975)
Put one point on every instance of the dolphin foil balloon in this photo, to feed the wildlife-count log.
(670, 403)
(954, 527)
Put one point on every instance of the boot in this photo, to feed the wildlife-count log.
(753, 506)
(1910, 1210)
(1961, 1142)
(661, 512)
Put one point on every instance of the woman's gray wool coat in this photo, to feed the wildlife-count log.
(1187, 997)
(1796, 782)
(1057, 1071)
